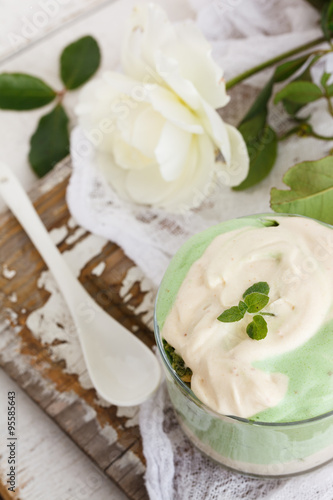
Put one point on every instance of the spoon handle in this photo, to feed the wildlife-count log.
(18, 201)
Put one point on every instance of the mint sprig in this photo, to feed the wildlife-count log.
(255, 299)
(260, 287)
(258, 328)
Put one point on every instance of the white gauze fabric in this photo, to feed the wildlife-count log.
(242, 34)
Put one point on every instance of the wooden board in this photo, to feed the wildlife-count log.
(105, 433)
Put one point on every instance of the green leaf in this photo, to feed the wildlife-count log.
(299, 92)
(329, 90)
(256, 301)
(260, 138)
(292, 107)
(324, 79)
(242, 307)
(233, 314)
(260, 287)
(257, 329)
(50, 142)
(327, 20)
(262, 152)
(311, 190)
(260, 104)
(21, 92)
(287, 69)
(79, 61)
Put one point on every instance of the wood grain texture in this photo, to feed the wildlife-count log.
(96, 428)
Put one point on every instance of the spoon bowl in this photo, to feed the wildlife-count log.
(123, 370)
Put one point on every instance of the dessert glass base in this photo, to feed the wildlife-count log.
(253, 448)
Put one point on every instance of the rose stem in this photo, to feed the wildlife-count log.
(274, 60)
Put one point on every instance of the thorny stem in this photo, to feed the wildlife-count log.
(274, 60)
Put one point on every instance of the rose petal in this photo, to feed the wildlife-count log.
(146, 131)
(216, 128)
(238, 167)
(129, 157)
(196, 181)
(114, 175)
(173, 110)
(187, 53)
(168, 69)
(148, 28)
(172, 150)
(189, 190)
(193, 53)
(147, 186)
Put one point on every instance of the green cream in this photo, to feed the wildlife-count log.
(310, 372)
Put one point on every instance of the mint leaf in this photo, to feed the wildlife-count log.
(242, 306)
(256, 301)
(231, 315)
(79, 61)
(311, 190)
(299, 92)
(260, 287)
(257, 329)
(22, 92)
(50, 142)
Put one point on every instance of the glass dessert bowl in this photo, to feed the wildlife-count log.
(258, 403)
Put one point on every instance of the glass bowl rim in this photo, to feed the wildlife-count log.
(189, 393)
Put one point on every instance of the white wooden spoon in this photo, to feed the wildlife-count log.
(123, 369)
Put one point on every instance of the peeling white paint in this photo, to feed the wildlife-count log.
(109, 433)
(58, 234)
(10, 316)
(83, 252)
(146, 308)
(13, 297)
(99, 269)
(101, 401)
(78, 233)
(129, 412)
(71, 223)
(59, 174)
(7, 273)
(129, 461)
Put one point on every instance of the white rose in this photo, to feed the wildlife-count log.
(157, 135)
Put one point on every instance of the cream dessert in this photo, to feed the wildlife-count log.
(283, 378)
